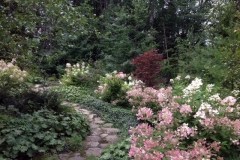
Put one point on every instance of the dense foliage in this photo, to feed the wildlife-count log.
(215, 56)
(32, 120)
(38, 33)
(46, 132)
(117, 151)
(188, 119)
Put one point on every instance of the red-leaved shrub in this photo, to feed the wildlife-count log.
(148, 67)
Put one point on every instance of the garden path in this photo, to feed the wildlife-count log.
(102, 134)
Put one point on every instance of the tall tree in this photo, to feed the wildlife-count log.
(126, 36)
(216, 57)
(39, 30)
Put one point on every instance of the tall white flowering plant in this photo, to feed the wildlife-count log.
(78, 74)
(193, 122)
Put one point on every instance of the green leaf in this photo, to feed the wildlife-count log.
(11, 141)
(30, 153)
(34, 147)
(2, 140)
(59, 147)
(23, 148)
(6, 130)
(17, 132)
(106, 156)
(214, 138)
(39, 136)
(44, 125)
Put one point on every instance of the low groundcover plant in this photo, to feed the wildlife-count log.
(192, 123)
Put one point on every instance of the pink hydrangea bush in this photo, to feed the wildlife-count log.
(193, 122)
(141, 96)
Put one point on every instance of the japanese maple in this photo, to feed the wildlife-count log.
(148, 67)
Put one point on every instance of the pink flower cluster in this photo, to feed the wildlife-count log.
(149, 97)
(229, 101)
(144, 113)
(185, 109)
(145, 145)
(181, 129)
(121, 75)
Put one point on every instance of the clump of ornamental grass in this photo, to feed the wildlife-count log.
(114, 86)
(193, 122)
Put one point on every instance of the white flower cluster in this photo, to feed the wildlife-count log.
(215, 97)
(11, 71)
(209, 87)
(76, 69)
(187, 77)
(192, 88)
(134, 82)
(235, 92)
(205, 107)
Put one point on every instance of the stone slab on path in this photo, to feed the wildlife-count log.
(94, 151)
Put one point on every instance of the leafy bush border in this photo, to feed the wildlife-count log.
(40, 132)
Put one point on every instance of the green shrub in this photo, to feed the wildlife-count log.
(47, 131)
(74, 142)
(37, 80)
(118, 151)
(12, 80)
(16, 93)
(28, 101)
(113, 88)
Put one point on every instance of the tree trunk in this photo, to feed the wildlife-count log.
(152, 12)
